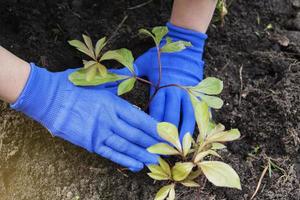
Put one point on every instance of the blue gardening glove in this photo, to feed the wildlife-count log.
(94, 119)
(186, 67)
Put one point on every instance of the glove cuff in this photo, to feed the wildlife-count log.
(37, 96)
(23, 99)
(179, 33)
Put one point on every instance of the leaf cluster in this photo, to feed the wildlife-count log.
(194, 156)
(94, 72)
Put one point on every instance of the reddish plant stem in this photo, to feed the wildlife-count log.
(160, 67)
(165, 86)
(172, 85)
(143, 80)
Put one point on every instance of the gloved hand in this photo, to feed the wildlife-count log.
(186, 68)
(92, 118)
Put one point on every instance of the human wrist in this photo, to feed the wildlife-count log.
(193, 14)
(13, 76)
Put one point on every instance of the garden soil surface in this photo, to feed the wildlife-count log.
(256, 53)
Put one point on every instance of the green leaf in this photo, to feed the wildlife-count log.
(165, 166)
(212, 101)
(194, 100)
(186, 143)
(189, 183)
(202, 116)
(88, 64)
(169, 132)
(123, 56)
(88, 42)
(147, 33)
(80, 46)
(156, 169)
(203, 154)
(99, 46)
(159, 32)
(79, 78)
(220, 174)
(224, 136)
(101, 69)
(91, 73)
(194, 174)
(126, 86)
(163, 149)
(175, 46)
(171, 194)
(168, 40)
(159, 177)
(181, 170)
(163, 192)
(218, 128)
(210, 85)
(217, 146)
(211, 126)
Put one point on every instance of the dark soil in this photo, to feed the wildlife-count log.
(261, 73)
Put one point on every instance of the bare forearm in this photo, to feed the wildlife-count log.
(14, 73)
(193, 14)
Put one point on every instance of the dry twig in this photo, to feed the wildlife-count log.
(260, 180)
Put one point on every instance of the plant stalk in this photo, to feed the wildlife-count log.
(159, 65)
(143, 80)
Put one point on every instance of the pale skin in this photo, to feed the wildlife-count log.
(14, 72)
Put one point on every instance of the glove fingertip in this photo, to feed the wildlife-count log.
(135, 169)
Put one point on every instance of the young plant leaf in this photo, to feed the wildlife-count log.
(163, 149)
(88, 42)
(159, 177)
(218, 128)
(156, 169)
(181, 170)
(224, 136)
(203, 154)
(202, 116)
(91, 73)
(189, 183)
(171, 194)
(169, 132)
(163, 192)
(88, 64)
(168, 40)
(159, 32)
(80, 46)
(194, 174)
(194, 99)
(143, 31)
(164, 166)
(175, 46)
(101, 69)
(99, 46)
(220, 174)
(209, 85)
(217, 146)
(212, 101)
(123, 56)
(79, 78)
(211, 126)
(186, 143)
(126, 86)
